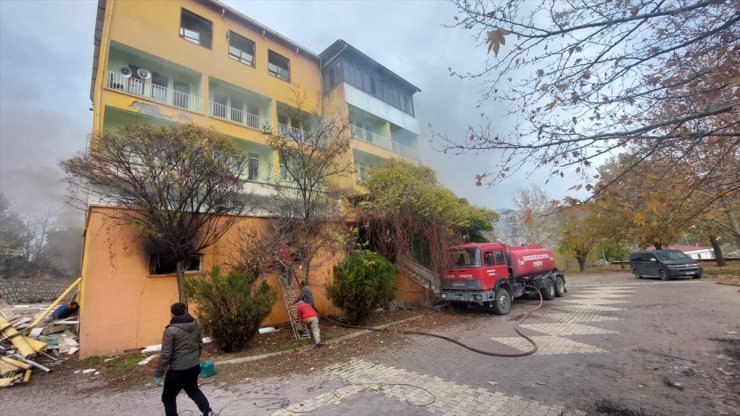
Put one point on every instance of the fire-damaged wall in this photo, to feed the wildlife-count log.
(15, 291)
(125, 305)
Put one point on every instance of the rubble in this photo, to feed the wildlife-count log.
(30, 340)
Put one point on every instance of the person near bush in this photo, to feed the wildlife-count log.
(307, 316)
(179, 361)
(306, 294)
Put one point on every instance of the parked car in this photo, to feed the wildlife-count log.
(665, 264)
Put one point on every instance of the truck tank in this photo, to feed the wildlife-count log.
(529, 260)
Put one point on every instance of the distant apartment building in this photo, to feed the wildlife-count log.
(202, 62)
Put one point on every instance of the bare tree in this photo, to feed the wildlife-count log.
(583, 78)
(305, 207)
(180, 185)
(534, 210)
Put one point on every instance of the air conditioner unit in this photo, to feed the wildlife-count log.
(126, 71)
(143, 73)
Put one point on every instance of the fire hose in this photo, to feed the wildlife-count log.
(454, 341)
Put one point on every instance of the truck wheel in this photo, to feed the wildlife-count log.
(502, 303)
(663, 275)
(559, 286)
(637, 274)
(548, 291)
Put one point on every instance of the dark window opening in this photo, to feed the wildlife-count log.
(195, 28)
(253, 166)
(165, 264)
(500, 257)
(159, 86)
(488, 259)
(278, 66)
(241, 49)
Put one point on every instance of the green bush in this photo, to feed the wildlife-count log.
(362, 282)
(231, 307)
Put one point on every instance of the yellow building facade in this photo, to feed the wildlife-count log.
(202, 62)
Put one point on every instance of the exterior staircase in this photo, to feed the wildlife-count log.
(289, 297)
(418, 273)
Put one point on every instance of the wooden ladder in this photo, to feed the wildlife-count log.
(289, 297)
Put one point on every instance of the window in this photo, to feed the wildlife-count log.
(159, 86)
(195, 28)
(253, 166)
(237, 114)
(253, 116)
(165, 264)
(488, 259)
(278, 66)
(181, 96)
(241, 49)
(219, 105)
(500, 257)
(361, 172)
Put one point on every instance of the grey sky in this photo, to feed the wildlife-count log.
(46, 59)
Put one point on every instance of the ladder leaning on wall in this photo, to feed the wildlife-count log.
(289, 297)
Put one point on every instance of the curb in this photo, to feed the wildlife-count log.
(332, 341)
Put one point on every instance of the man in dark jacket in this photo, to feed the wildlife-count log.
(180, 357)
(306, 294)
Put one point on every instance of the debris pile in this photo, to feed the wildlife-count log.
(29, 341)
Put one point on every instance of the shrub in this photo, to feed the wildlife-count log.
(231, 307)
(362, 282)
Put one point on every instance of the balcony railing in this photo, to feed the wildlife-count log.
(239, 116)
(405, 150)
(159, 93)
(370, 137)
(287, 131)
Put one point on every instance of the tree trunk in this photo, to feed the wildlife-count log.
(581, 263)
(658, 246)
(621, 263)
(733, 222)
(180, 264)
(714, 241)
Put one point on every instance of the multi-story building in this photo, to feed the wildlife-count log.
(200, 61)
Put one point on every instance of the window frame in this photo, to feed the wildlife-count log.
(198, 268)
(251, 157)
(233, 35)
(270, 64)
(181, 32)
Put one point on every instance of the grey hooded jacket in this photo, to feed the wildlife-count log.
(181, 345)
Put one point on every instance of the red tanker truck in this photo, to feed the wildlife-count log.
(492, 274)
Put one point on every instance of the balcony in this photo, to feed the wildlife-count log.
(405, 150)
(160, 93)
(291, 132)
(370, 137)
(239, 116)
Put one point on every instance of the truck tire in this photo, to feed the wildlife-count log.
(663, 275)
(502, 302)
(559, 287)
(548, 289)
(637, 274)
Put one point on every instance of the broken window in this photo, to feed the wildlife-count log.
(278, 66)
(160, 264)
(241, 49)
(195, 28)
